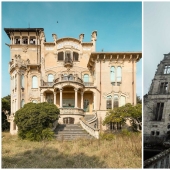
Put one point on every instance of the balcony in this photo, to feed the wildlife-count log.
(71, 111)
(62, 79)
(88, 84)
(68, 62)
(17, 62)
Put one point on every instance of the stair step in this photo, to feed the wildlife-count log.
(70, 132)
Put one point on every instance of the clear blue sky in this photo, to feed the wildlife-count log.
(118, 24)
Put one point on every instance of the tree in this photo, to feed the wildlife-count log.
(34, 120)
(138, 99)
(6, 107)
(124, 113)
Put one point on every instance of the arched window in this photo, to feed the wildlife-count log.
(112, 74)
(109, 102)
(50, 78)
(116, 101)
(86, 78)
(122, 100)
(34, 101)
(22, 103)
(119, 74)
(86, 105)
(75, 56)
(22, 81)
(34, 82)
(60, 56)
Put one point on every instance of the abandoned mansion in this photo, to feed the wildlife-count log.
(69, 73)
(157, 106)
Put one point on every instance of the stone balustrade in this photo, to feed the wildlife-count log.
(161, 160)
(62, 79)
(91, 130)
(71, 111)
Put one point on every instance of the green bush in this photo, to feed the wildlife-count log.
(125, 132)
(35, 120)
(107, 136)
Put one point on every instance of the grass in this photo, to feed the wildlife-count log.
(122, 152)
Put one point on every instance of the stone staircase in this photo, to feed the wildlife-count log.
(70, 132)
(88, 117)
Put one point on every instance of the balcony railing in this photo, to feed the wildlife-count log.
(74, 111)
(62, 79)
(88, 84)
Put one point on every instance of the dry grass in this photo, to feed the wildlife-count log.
(122, 152)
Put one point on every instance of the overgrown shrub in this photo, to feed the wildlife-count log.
(126, 132)
(107, 136)
(35, 120)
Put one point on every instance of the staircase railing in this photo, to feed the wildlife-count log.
(161, 160)
(93, 119)
(91, 130)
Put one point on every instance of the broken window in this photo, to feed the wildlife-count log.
(164, 87)
(157, 133)
(167, 69)
(60, 56)
(152, 133)
(159, 111)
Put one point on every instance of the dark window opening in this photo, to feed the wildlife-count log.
(116, 101)
(60, 56)
(164, 88)
(108, 104)
(115, 125)
(68, 120)
(152, 133)
(68, 57)
(32, 41)
(75, 56)
(168, 127)
(25, 41)
(157, 133)
(159, 111)
(17, 41)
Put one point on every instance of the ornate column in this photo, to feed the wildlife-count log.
(75, 97)
(82, 100)
(20, 39)
(42, 96)
(19, 89)
(55, 97)
(61, 98)
(94, 101)
(28, 40)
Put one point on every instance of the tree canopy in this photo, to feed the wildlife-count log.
(34, 118)
(6, 106)
(128, 111)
